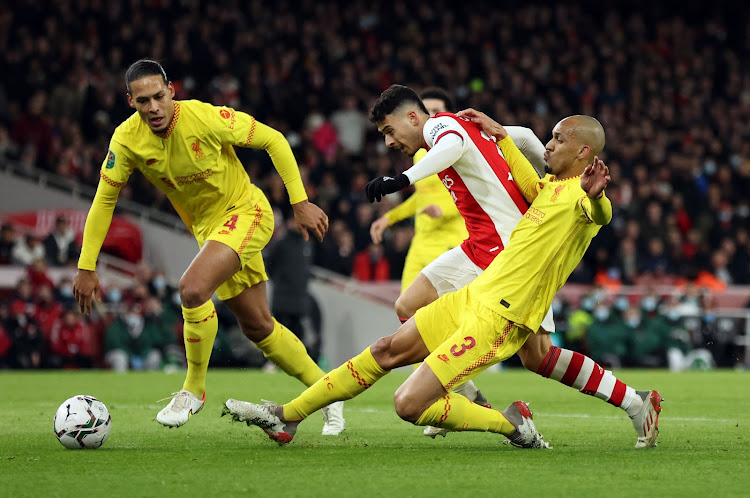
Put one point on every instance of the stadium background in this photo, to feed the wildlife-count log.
(671, 273)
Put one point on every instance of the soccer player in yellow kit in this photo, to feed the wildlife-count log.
(186, 149)
(489, 320)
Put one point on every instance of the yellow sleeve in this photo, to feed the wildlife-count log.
(97, 223)
(597, 211)
(523, 172)
(243, 130)
(115, 171)
(406, 209)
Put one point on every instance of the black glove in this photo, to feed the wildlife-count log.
(377, 188)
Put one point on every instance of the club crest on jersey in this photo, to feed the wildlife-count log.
(196, 146)
(556, 194)
(110, 160)
(224, 114)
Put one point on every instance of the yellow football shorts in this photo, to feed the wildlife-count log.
(419, 256)
(465, 337)
(247, 230)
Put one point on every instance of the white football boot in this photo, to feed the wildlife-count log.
(268, 417)
(525, 435)
(184, 405)
(333, 418)
(646, 422)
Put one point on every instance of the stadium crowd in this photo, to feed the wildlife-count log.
(671, 89)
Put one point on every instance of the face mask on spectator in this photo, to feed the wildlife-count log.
(673, 314)
(709, 317)
(159, 283)
(176, 298)
(709, 167)
(633, 321)
(649, 303)
(114, 295)
(743, 211)
(587, 303)
(622, 303)
(66, 291)
(601, 314)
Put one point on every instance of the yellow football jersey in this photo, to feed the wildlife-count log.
(544, 248)
(193, 163)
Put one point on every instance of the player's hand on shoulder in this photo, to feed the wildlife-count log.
(308, 216)
(377, 228)
(488, 125)
(86, 288)
(433, 211)
(595, 178)
(384, 185)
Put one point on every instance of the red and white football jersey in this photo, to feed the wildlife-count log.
(481, 186)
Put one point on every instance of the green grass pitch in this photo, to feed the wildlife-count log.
(704, 444)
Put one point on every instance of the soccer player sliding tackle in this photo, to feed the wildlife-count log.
(464, 332)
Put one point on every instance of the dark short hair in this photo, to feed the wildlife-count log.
(141, 69)
(438, 93)
(393, 98)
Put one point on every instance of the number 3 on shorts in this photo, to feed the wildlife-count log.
(469, 343)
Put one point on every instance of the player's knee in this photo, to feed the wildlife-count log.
(532, 355)
(192, 294)
(381, 352)
(405, 407)
(258, 328)
(404, 309)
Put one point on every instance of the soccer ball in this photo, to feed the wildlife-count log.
(82, 422)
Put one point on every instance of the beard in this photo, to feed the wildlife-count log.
(547, 169)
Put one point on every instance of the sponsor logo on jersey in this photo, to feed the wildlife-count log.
(194, 178)
(436, 129)
(535, 215)
(110, 160)
(196, 146)
(228, 114)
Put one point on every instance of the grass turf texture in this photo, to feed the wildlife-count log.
(704, 445)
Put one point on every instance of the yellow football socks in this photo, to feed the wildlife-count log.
(199, 333)
(342, 383)
(457, 413)
(286, 351)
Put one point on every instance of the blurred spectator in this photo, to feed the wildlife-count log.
(7, 241)
(71, 342)
(60, 245)
(63, 293)
(138, 339)
(27, 250)
(5, 347)
(47, 311)
(607, 337)
(28, 343)
(351, 126)
(370, 265)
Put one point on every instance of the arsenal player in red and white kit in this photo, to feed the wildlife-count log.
(463, 152)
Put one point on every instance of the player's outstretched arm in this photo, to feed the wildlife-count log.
(86, 288)
(308, 216)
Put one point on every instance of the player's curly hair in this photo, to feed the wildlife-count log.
(434, 92)
(393, 98)
(141, 69)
